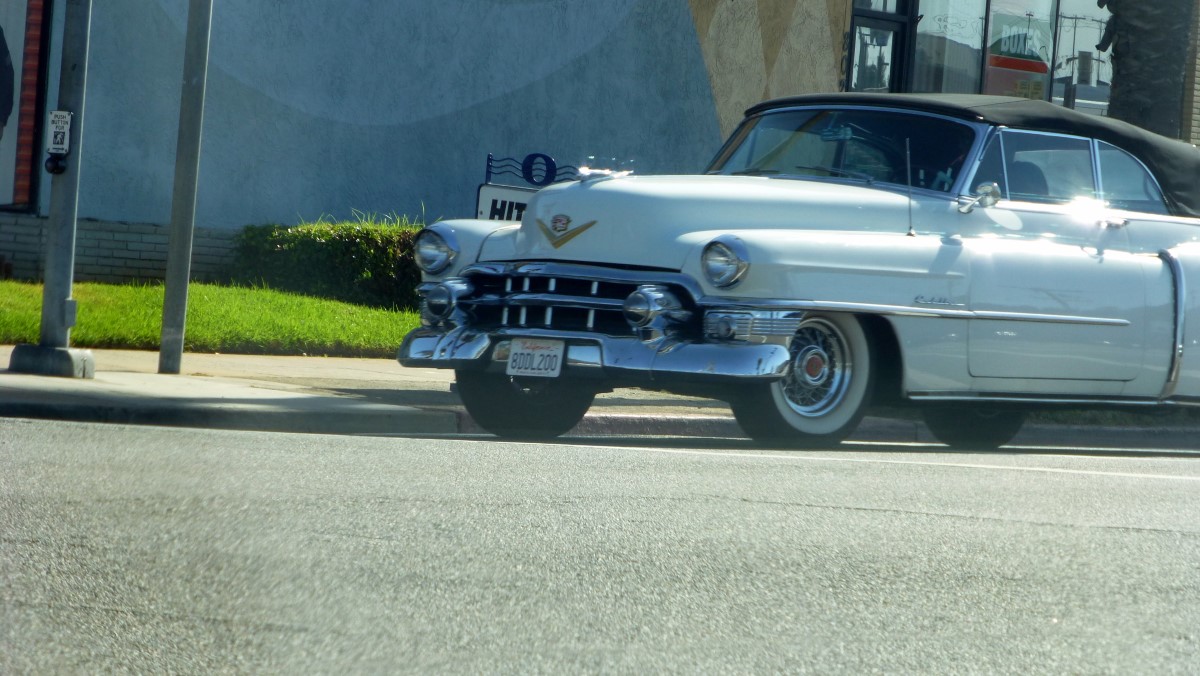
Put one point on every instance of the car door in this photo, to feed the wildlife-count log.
(1056, 292)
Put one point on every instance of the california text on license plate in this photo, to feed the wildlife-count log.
(535, 357)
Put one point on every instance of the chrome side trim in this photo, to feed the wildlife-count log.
(1002, 398)
(732, 304)
(1180, 293)
(1050, 319)
(1030, 399)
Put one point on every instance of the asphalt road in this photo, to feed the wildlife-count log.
(126, 549)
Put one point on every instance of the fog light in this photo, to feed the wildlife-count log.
(727, 325)
(725, 328)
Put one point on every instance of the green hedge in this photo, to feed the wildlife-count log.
(367, 262)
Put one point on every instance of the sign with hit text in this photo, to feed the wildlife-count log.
(502, 202)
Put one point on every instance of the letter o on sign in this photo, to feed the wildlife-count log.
(530, 166)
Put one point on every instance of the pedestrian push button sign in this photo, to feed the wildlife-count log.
(58, 142)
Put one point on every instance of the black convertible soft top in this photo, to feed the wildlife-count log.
(1175, 164)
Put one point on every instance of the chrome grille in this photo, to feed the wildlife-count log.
(520, 298)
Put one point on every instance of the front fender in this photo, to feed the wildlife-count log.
(471, 237)
(886, 269)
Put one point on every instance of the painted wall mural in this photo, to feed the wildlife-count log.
(761, 49)
(323, 109)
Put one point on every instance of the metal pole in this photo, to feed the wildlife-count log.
(52, 355)
(187, 170)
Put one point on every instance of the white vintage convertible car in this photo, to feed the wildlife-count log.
(971, 256)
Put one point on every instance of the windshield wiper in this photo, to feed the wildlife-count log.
(755, 172)
(845, 173)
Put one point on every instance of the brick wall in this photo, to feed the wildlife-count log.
(112, 252)
(1191, 121)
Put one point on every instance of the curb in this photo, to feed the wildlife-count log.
(351, 417)
(392, 420)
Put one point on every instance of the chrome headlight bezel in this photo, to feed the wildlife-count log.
(435, 249)
(725, 261)
(439, 300)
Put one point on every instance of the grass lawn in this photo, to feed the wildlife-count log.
(231, 320)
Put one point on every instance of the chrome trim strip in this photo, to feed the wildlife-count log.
(1146, 402)
(1180, 293)
(592, 273)
(1029, 398)
(1049, 319)
(552, 300)
(712, 303)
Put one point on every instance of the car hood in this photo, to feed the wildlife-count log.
(655, 221)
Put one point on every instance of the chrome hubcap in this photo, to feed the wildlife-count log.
(821, 369)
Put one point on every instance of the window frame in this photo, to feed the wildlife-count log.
(1093, 145)
(1165, 208)
(959, 183)
(903, 25)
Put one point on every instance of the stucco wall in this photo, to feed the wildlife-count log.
(317, 108)
(761, 49)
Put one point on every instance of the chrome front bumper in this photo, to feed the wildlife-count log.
(589, 355)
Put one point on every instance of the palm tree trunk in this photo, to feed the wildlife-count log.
(1150, 48)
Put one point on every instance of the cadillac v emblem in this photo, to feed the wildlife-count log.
(559, 232)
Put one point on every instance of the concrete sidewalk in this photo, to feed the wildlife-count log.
(331, 395)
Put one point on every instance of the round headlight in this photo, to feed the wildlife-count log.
(725, 262)
(432, 252)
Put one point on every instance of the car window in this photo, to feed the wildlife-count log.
(869, 145)
(1047, 168)
(991, 167)
(1126, 184)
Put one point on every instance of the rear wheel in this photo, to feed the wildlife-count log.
(826, 391)
(524, 408)
(973, 427)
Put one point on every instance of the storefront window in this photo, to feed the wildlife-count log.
(876, 50)
(1083, 73)
(895, 6)
(1020, 48)
(949, 55)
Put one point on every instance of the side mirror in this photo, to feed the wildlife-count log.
(986, 195)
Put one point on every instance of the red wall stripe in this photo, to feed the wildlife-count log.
(31, 69)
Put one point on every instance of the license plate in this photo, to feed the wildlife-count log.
(535, 357)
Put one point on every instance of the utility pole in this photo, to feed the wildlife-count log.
(187, 171)
(53, 356)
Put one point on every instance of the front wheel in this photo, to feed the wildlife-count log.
(523, 408)
(826, 391)
(973, 427)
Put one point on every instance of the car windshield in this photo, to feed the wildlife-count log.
(867, 145)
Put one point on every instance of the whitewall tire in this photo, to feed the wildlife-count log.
(826, 391)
